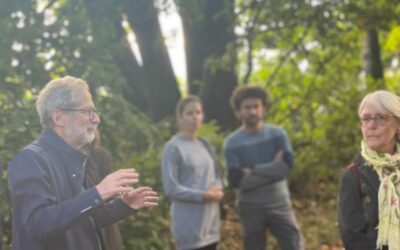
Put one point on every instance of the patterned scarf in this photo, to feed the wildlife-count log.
(388, 168)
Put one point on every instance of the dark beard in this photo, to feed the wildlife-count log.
(252, 122)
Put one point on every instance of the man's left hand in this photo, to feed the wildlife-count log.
(141, 197)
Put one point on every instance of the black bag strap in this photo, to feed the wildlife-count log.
(218, 171)
(355, 169)
(209, 147)
(356, 172)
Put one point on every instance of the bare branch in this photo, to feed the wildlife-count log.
(284, 59)
(287, 55)
(49, 4)
(250, 27)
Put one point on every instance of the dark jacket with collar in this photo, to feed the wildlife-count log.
(358, 206)
(50, 207)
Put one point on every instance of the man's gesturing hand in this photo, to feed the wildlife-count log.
(117, 183)
(141, 197)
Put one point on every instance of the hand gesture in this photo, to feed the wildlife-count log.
(140, 197)
(117, 183)
(213, 193)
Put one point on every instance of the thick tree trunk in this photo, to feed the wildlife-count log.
(162, 87)
(372, 55)
(108, 31)
(215, 96)
(195, 25)
(210, 54)
(135, 90)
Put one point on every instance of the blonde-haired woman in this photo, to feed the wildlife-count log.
(368, 209)
(192, 181)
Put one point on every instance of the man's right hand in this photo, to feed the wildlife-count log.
(117, 183)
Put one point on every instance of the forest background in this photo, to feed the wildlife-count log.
(316, 58)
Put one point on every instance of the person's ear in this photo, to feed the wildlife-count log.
(265, 108)
(237, 114)
(397, 134)
(58, 117)
(178, 121)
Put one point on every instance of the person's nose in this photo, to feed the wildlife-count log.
(253, 110)
(96, 119)
(372, 124)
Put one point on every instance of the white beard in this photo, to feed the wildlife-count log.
(81, 135)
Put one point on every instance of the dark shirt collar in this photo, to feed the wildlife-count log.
(61, 147)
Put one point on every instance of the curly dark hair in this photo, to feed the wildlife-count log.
(244, 92)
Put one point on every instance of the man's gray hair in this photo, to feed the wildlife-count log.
(58, 93)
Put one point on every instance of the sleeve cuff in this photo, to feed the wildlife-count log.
(88, 200)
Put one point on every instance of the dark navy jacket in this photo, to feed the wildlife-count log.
(50, 207)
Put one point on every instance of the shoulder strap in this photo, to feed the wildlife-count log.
(207, 145)
(354, 168)
(356, 171)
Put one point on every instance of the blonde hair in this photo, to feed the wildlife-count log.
(383, 100)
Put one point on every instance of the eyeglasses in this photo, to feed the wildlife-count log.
(379, 120)
(91, 112)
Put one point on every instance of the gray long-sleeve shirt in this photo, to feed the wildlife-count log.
(187, 171)
(266, 185)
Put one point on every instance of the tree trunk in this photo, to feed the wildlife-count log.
(162, 86)
(195, 23)
(135, 90)
(210, 55)
(372, 55)
(108, 31)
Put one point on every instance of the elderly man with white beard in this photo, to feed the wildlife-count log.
(52, 206)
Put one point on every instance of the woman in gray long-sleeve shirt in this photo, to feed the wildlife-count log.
(191, 181)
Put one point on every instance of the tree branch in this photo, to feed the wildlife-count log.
(283, 60)
(250, 27)
(287, 55)
(49, 4)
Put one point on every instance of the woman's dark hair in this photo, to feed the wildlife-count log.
(181, 105)
(244, 92)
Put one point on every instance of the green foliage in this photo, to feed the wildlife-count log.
(307, 54)
(148, 229)
(314, 74)
(19, 125)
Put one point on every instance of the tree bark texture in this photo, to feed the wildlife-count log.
(210, 55)
(108, 31)
(162, 87)
(372, 55)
